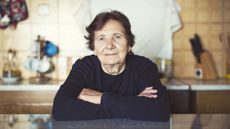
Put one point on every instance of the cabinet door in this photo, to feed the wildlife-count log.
(180, 101)
(211, 101)
(18, 102)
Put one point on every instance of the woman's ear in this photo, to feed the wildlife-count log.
(129, 49)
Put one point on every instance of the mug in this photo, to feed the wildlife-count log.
(50, 49)
(42, 66)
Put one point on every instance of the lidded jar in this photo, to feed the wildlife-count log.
(11, 72)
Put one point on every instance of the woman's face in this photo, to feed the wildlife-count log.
(110, 43)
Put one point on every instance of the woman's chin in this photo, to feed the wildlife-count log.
(111, 62)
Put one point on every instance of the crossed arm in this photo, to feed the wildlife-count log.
(94, 96)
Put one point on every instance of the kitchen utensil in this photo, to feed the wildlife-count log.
(41, 66)
(50, 49)
(197, 47)
(206, 69)
(204, 66)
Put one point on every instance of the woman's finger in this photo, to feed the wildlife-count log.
(150, 91)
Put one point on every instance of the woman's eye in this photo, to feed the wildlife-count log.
(101, 39)
(118, 36)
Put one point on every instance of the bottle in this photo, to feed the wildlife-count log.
(11, 72)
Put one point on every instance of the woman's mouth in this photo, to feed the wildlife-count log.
(112, 54)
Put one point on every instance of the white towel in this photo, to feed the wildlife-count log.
(153, 23)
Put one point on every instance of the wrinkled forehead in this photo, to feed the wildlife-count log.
(111, 27)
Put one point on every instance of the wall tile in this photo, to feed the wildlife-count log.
(216, 29)
(189, 29)
(226, 16)
(203, 16)
(190, 58)
(178, 57)
(182, 71)
(190, 70)
(215, 43)
(218, 59)
(217, 3)
(186, 43)
(67, 10)
(221, 69)
(218, 56)
(23, 29)
(189, 3)
(205, 41)
(203, 3)
(188, 16)
(177, 43)
(203, 29)
(72, 40)
(20, 43)
(179, 33)
(48, 31)
(17, 39)
(52, 17)
(177, 70)
(217, 16)
(226, 27)
(227, 4)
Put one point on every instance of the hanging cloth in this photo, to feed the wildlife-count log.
(12, 12)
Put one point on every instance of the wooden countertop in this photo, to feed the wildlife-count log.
(207, 85)
(172, 84)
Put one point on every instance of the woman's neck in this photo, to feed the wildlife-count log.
(113, 69)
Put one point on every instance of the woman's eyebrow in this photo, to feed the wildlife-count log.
(101, 35)
(118, 34)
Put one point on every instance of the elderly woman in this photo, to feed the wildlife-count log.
(112, 83)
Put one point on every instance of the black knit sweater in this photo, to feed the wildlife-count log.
(119, 99)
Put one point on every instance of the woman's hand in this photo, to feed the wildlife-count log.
(149, 92)
(90, 95)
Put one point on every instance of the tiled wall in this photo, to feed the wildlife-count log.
(59, 27)
(208, 18)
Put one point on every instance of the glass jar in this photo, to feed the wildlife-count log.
(11, 72)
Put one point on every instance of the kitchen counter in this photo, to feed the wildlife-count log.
(207, 85)
(25, 85)
(53, 85)
(186, 96)
(171, 84)
(174, 84)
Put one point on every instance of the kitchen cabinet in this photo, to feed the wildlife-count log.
(211, 102)
(22, 102)
(180, 101)
(179, 95)
(27, 98)
(210, 96)
(186, 96)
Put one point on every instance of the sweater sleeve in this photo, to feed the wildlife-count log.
(66, 106)
(140, 108)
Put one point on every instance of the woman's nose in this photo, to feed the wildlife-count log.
(110, 44)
